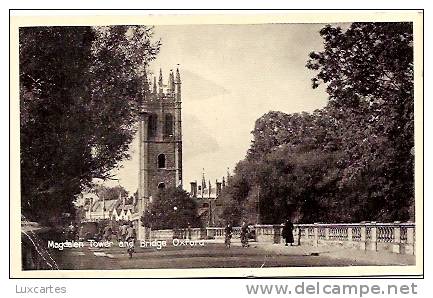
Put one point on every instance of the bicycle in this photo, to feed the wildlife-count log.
(244, 240)
(227, 241)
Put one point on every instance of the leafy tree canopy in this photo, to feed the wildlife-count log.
(79, 88)
(351, 160)
(173, 208)
(112, 193)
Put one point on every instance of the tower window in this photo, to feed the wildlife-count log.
(161, 161)
(161, 186)
(152, 125)
(168, 125)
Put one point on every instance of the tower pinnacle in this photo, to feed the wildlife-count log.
(171, 81)
(160, 82)
(145, 82)
(160, 77)
(203, 183)
(154, 85)
(177, 85)
(178, 81)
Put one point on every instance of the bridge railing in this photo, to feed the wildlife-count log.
(396, 237)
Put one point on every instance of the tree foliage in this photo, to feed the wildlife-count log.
(79, 88)
(351, 160)
(369, 75)
(112, 193)
(172, 208)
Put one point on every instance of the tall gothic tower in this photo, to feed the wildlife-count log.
(160, 137)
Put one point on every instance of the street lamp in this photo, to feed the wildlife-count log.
(175, 219)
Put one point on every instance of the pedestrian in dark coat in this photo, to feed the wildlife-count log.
(288, 232)
(244, 234)
(107, 233)
(228, 235)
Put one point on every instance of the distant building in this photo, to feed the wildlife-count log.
(208, 198)
(96, 208)
(123, 213)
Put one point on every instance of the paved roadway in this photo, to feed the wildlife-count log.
(211, 255)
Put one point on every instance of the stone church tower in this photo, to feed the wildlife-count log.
(160, 138)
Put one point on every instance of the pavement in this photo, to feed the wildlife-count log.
(354, 256)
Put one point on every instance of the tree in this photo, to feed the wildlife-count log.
(368, 70)
(111, 193)
(79, 88)
(232, 210)
(171, 209)
(354, 154)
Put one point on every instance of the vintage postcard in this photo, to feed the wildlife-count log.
(219, 144)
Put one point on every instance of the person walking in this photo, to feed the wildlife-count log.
(228, 235)
(107, 233)
(244, 234)
(119, 233)
(72, 231)
(288, 232)
(123, 231)
(130, 239)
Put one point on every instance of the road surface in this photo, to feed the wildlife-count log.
(211, 255)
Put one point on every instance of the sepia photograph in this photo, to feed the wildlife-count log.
(273, 145)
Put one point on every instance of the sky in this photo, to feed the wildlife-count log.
(231, 75)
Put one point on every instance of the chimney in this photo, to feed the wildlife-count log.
(218, 188)
(194, 189)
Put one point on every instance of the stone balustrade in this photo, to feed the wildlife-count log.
(394, 237)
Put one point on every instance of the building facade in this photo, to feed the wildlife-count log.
(95, 208)
(160, 141)
(160, 137)
(208, 198)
